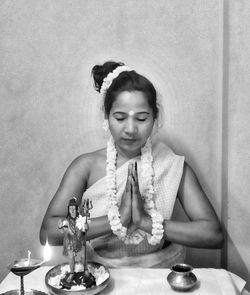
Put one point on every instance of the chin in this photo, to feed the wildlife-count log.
(135, 151)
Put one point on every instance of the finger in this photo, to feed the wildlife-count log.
(135, 179)
(130, 168)
(135, 190)
(135, 172)
(128, 183)
(131, 186)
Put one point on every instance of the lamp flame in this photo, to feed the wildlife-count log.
(47, 252)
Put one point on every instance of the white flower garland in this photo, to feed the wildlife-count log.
(147, 178)
(107, 81)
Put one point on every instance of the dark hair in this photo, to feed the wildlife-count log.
(126, 81)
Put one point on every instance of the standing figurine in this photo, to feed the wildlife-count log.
(72, 242)
(85, 278)
(75, 227)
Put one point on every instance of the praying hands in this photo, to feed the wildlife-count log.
(132, 204)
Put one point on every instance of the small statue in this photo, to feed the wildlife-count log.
(85, 278)
(75, 227)
(72, 242)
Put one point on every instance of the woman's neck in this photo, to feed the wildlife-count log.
(123, 156)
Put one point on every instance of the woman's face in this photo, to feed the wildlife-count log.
(131, 122)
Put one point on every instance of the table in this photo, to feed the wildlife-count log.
(142, 281)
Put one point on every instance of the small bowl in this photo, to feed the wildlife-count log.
(57, 270)
(181, 277)
(24, 266)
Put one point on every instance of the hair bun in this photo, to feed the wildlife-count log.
(99, 72)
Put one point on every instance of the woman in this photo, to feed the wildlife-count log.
(133, 184)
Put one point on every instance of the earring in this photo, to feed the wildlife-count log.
(105, 125)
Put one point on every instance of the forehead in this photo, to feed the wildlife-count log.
(127, 101)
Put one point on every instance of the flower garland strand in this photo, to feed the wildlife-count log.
(107, 81)
(147, 178)
(113, 212)
(149, 204)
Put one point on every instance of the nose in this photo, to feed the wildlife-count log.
(130, 127)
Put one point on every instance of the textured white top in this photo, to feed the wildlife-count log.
(168, 169)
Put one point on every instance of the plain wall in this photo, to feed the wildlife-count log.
(238, 216)
(50, 112)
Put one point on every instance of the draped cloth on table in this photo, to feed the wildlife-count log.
(108, 249)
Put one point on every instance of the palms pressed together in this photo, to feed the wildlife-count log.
(131, 209)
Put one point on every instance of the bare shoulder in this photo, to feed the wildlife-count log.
(188, 173)
(88, 168)
(86, 162)
(190, 193)
(189, 184)
(97, 169)
(75, 180)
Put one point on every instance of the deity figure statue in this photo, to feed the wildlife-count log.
(73, 240)
(75, 227)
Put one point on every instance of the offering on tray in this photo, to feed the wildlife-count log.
(95, 278)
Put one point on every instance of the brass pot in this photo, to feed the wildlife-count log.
(181, 277)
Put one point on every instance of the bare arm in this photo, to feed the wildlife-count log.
(203, 230)
(72, 185)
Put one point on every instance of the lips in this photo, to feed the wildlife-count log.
(129, 139)
(125, 138)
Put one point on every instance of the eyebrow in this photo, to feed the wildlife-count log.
(125, 113)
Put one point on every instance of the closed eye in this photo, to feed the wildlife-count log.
(141, 118)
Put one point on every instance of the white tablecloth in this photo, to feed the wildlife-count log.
(142, 281)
